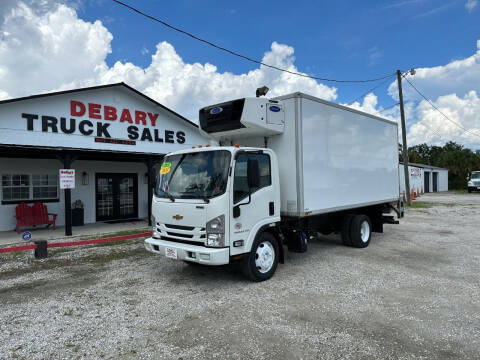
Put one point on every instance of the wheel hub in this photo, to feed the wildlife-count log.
(264, 257)
(365, 231)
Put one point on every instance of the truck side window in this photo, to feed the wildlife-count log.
(240, 186)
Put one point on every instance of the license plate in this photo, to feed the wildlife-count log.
(171, 253)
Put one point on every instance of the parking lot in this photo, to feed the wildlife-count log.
(413, 293)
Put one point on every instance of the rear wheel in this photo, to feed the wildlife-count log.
(360, 231)
(262, 261)
(345, 230)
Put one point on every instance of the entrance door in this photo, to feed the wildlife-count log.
(435, 181)
(116, 196)
(426, 176)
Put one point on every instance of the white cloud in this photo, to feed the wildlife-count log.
(470, 5)
(52, 50)
(458, 76)
(433, 127)
(41, 52)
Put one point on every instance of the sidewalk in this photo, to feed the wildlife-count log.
(8, 238)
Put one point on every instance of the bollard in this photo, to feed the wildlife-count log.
(41, 251)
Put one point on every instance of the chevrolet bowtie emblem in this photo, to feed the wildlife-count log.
(177, 217)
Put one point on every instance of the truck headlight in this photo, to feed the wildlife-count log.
(216, 232)
(155, 233)
(470, 183)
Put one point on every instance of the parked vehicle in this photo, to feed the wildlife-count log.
(474, 181)
(305, 166)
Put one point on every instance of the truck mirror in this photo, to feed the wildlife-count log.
(253, 173)
(236, 211)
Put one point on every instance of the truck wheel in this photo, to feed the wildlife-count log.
(297, 242)
(360, 231)
(345, 230)
(262, 261)
(469, 191)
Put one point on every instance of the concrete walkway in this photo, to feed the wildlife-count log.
(8, 238)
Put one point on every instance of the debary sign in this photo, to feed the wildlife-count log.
(140, 125)
(109, 118)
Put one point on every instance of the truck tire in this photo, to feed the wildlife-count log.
(262, 261)
(469, 191)
(345, 230)
(360, 231)
(297, 242)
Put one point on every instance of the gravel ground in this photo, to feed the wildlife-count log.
(413, 293)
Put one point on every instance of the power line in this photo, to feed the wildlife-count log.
(436, 108)
(244, 56)
(369, 91)
(389, 107)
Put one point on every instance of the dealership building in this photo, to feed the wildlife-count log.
(112, 136)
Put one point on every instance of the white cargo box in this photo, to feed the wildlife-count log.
(332, 157)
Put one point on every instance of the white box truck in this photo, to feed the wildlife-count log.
(285, 170)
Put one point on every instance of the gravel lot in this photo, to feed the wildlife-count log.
(413, 293)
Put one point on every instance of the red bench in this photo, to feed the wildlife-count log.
(33, 215)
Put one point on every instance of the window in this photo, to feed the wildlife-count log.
(18, 188)
(15, 187)
(45, 186)
(240, 184)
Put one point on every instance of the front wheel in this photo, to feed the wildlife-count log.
(262, 261)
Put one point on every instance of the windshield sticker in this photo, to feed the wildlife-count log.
(164, 170)
(166, 164)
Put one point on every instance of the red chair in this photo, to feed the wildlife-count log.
(41, 215)
(24, 216)
(33, 215)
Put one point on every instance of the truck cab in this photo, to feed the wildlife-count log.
(474, 181)
(210, 203)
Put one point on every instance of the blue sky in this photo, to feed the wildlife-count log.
(336, 39)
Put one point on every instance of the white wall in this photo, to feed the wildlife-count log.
(416, 178)
(86, 193)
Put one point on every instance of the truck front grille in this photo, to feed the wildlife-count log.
(183, 234)
(179, 227)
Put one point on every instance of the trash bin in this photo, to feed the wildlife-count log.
(77, 217)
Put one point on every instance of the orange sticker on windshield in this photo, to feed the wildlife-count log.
(164, 170)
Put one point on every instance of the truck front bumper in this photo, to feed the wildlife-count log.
(187, 252)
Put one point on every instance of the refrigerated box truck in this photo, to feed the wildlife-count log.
(285, 170)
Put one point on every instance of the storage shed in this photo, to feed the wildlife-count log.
(424, 178)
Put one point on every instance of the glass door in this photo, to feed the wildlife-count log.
(116, 196)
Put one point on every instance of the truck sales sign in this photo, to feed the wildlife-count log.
(113, 118)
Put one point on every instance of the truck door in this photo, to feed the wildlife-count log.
(262, 201)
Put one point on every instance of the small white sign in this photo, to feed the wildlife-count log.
(67, 178)
(171, 253)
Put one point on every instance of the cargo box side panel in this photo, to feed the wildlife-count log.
(285, 147)
(349, 159)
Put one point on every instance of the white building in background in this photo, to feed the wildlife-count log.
(112, 136)
(424, 178)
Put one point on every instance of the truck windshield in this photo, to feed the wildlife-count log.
(476, 175)
(199, 175)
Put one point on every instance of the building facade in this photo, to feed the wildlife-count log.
(424, 178)
(112, 136)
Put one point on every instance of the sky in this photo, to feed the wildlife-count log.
(51, 45)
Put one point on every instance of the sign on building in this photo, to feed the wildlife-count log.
(67, 178)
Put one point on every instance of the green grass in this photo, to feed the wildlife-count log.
(420, 205)
(458, 191)
(119, 233)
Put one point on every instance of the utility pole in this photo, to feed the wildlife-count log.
(404, 137)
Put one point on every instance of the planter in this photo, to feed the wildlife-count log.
(77, 217)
